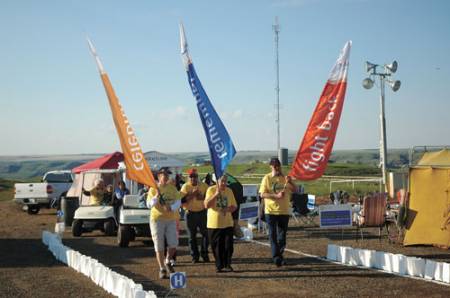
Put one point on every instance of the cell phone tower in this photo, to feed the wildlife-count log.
(276, 31)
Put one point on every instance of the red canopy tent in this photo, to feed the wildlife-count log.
(109, 161)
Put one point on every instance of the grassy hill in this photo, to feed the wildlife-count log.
(396, 157)
(6, 190)
(342, 162)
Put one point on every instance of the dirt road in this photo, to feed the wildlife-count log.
(255, 276)
(27, 268)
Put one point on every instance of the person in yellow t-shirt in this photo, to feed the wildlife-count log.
(193, 195)
(96, 194)
(276, 190)
(164, 203)
(221, 203)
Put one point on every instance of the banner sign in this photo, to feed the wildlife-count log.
(335, 216)
(221, 148)
(248, 211)
(136, 164)
(312, 156)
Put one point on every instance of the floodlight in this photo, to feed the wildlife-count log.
(385, 77)
(395, 85)
(370, 66)
(367, 83)
(392, 68)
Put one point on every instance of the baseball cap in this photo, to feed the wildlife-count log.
(192, 171)
(274, 161)
(164, 170)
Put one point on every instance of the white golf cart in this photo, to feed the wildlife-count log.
(134, 220)
(102, 217)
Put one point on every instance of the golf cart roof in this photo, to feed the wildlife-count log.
(103, 171)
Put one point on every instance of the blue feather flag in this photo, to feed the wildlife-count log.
(221, 147)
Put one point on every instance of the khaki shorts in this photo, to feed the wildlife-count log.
(164, 229)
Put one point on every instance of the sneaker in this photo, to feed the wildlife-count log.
(229, 268)
(219, 270)
(283, 261)
(206, 259)
(278, 262)
(162, 274)
(169, 267)
(171, 262)
(194, 261)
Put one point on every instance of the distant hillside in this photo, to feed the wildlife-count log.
(396, 157)
(33, 167)
(6, 190)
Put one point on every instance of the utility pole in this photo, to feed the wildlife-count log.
(276, 30)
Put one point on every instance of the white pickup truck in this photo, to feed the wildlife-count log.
(54, 185)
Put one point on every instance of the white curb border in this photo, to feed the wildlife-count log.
(398, 264)
(114, 283)
(364, 259)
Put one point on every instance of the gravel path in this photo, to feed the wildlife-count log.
(254, 276)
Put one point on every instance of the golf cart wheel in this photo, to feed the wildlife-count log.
(124, 236)
(77, 227)
(132, 234)
(33, 209)
(109, 227)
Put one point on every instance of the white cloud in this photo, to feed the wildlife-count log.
(237, 114)
(180, 112)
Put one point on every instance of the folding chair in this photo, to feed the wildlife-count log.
(372, 214)
(304, 208)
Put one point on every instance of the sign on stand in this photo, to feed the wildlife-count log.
(335, 216)
(248, 211)
(178, 280)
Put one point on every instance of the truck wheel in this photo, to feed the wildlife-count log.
(109, 227)
(123, 236)
(77, 227)
(33, 209)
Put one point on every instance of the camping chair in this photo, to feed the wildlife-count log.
(304, 208)
(372, 214)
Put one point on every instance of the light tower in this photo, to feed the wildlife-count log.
(368, 83)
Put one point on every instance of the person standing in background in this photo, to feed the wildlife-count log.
(193, 196)
(221, 203)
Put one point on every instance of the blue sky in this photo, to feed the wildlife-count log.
(52, 100)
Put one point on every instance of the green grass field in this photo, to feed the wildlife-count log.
(251, 173)
(6, 190)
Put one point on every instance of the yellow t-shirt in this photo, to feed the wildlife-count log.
(96, 197)
(195, 204)
(216, 219)
(169, 194)
(274, 185)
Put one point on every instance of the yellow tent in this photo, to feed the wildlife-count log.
(428, 219)
(438, 158)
